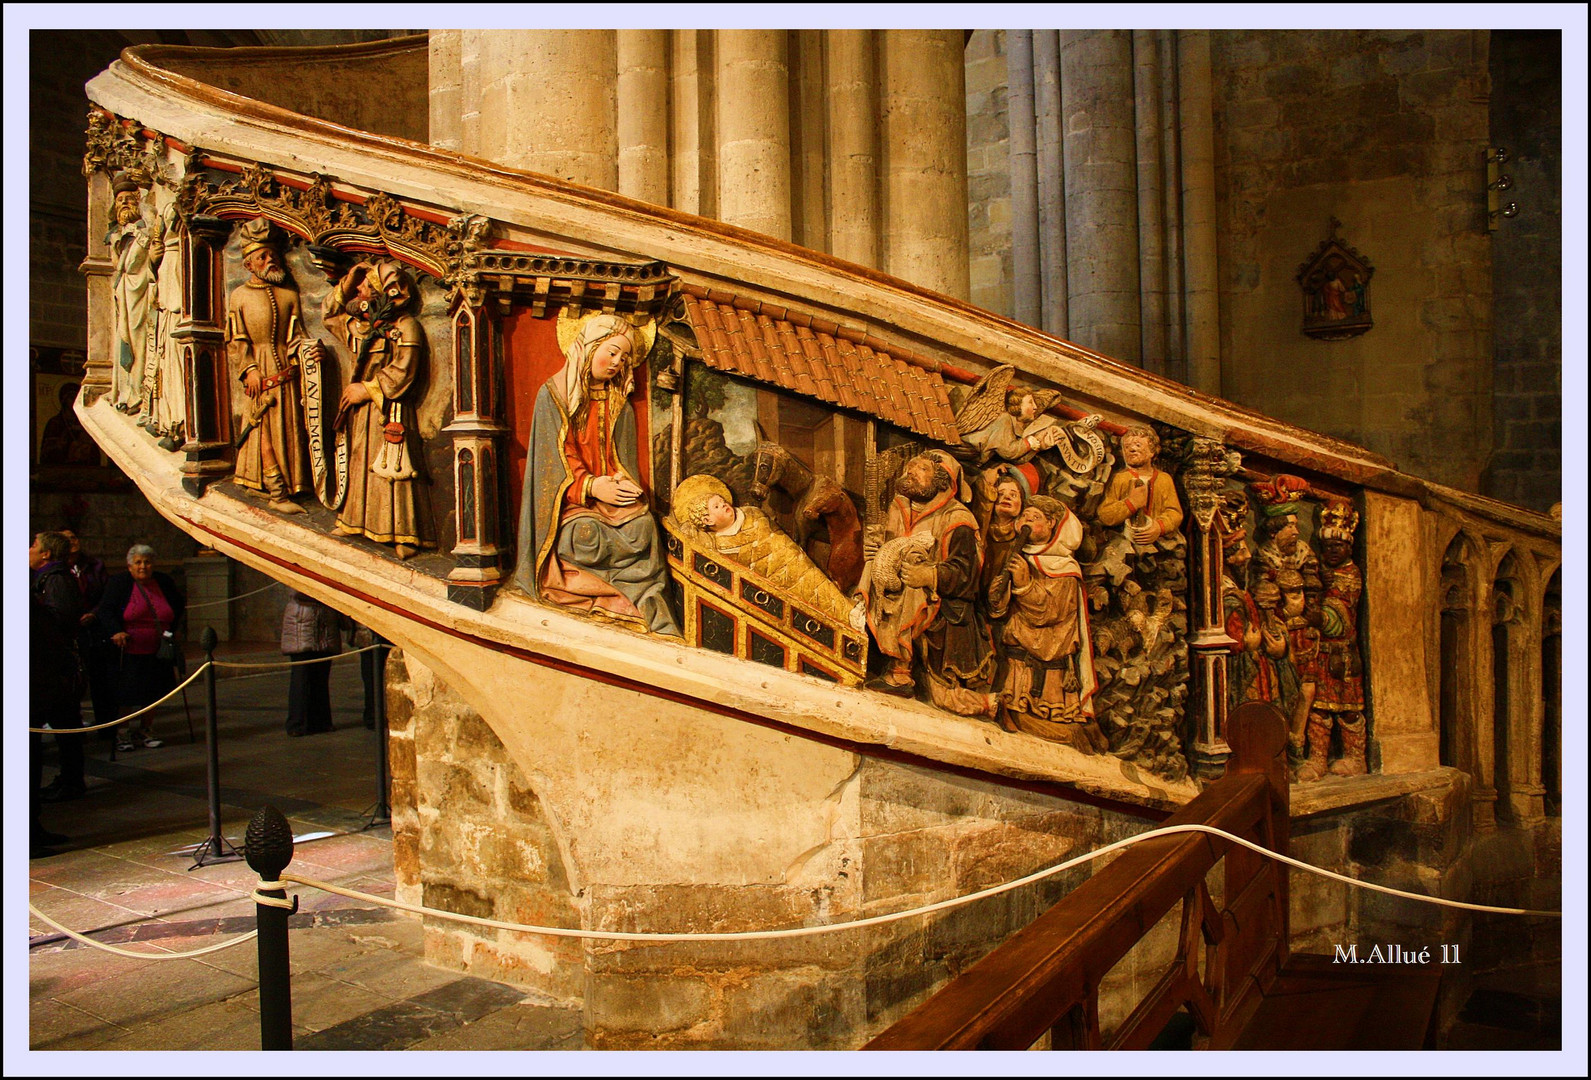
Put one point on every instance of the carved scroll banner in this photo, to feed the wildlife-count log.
(331, 483)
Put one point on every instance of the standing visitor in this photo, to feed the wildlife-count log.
(93, 646)
(58, 599)
(311, 636)
(140, 612)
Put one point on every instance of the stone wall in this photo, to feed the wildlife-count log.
(385, 92)
(1419, 842)
(1527, 263)
(1383, 130)
(472, 834)
(110, 523)
(469, 835)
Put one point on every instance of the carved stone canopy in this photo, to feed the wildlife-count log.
(1336, 289)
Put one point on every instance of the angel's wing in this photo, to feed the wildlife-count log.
(986, 402)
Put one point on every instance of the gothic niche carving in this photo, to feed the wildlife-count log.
(1336, 284)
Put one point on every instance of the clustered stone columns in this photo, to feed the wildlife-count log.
(1101, 190)
(753, 78)
(853, 145)
(924, 165)
(693, 168)
(543, 100)
(1112, 173)
(1026, 273)
(643, 114)
(1196, 109)
(848, 141)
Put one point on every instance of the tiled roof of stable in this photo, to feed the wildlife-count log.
(820, 359)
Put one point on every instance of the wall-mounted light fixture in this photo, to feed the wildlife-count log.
(1498, 182)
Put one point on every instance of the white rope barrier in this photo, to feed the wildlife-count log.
(233, 599)
(242, 665)
(179, 688)
(880, 920)
(790, 932)
(135, 954)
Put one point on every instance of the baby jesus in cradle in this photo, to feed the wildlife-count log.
(704, 508)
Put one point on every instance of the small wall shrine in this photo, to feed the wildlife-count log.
(1336, 285)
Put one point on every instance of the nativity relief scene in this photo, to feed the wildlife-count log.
(599, 436)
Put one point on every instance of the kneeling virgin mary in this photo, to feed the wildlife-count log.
(587, 538)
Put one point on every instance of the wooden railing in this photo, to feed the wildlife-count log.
(1047, 977)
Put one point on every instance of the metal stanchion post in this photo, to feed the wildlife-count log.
(215, 847)
(381, 813)
(269, 845)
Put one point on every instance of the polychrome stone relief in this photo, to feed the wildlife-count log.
(687, 463)
(1291, 592)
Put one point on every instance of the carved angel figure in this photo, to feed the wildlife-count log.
(1000, 419)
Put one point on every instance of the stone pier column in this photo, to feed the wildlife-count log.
(1148, 70)
(809, 115)
(447, 87)
(1101, 191)
(853, 145)
(1052, 186)
(548, 102)
(753, 78)
(643, 107)
(1202, 278)
(693, 163)
(1022, 110)
(470, 91)
(1171, 205)
(925, 159)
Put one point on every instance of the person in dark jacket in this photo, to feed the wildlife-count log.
(99, 656)
(48, 693)
(58, 596)
(142, 609)
(311, 636)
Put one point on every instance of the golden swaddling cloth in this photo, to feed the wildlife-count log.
(757, 544)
